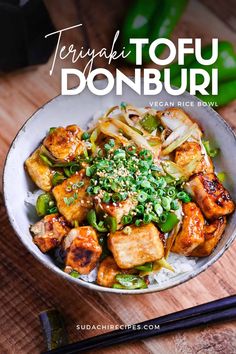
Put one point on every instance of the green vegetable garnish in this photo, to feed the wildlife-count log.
(44, 204)
(46, 160)
(210, 151)
(92, 220)
(51, 130)
(118, 286)
(70, 200)
(147, 267)
(126, 219)
(111, 223)
(185, 197)
(129, 281)
(127, 173)
(168, 223)
(57, 178)
(221, 176)
(85, 136)
(74, 274)
(149, 122)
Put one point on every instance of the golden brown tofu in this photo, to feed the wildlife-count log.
(117, 210)
(40, 173)
(107, 271)
(212, 235)
(49, 232)
(83, 249)
(72, 200)
(191, 235)
(142, 245)
(189, 151)
(64, 143)
(213, 199)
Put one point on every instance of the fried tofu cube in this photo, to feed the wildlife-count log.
(213, 199)
(49, 232)
(212, 235)
(142, 245)
(191, 234)
(83, 249)
(72, 200)
(64, 143)
(117, 209)
(40, 173)
(190, 151)
(107, 271)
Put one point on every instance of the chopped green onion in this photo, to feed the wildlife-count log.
(106, 198)
(147, 218)
(126, 219)
(138, 222)
(69, 200)
(140, 209)
(52, 210)
(145, 155)
(185, 197)
(165, 202)
(57, 178)
(96, 190)
(85, 136)
(127, 230)
(117, 197)
(174, 205)
(163, 218)
(131, 150)
(171, 192)
(119, 154)
(46, 160)
(142, 196)
(77, 185)
(74, 168)
(160, 192)
(158, 209)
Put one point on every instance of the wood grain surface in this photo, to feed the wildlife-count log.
(26, 288)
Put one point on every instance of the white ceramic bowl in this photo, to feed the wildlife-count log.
(65, 110)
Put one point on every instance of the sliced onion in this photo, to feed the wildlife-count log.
(137, 138)
(180, 140)
(180, 131)
(108, 128)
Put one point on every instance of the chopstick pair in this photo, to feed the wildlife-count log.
(218, 310)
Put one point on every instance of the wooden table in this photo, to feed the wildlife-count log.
(26, 288)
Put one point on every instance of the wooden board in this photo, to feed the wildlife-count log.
(26, 288)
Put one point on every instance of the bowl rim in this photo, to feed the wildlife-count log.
(89, 285)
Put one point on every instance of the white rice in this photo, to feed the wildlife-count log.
(181, 264)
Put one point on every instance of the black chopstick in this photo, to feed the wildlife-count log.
(211, 312)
